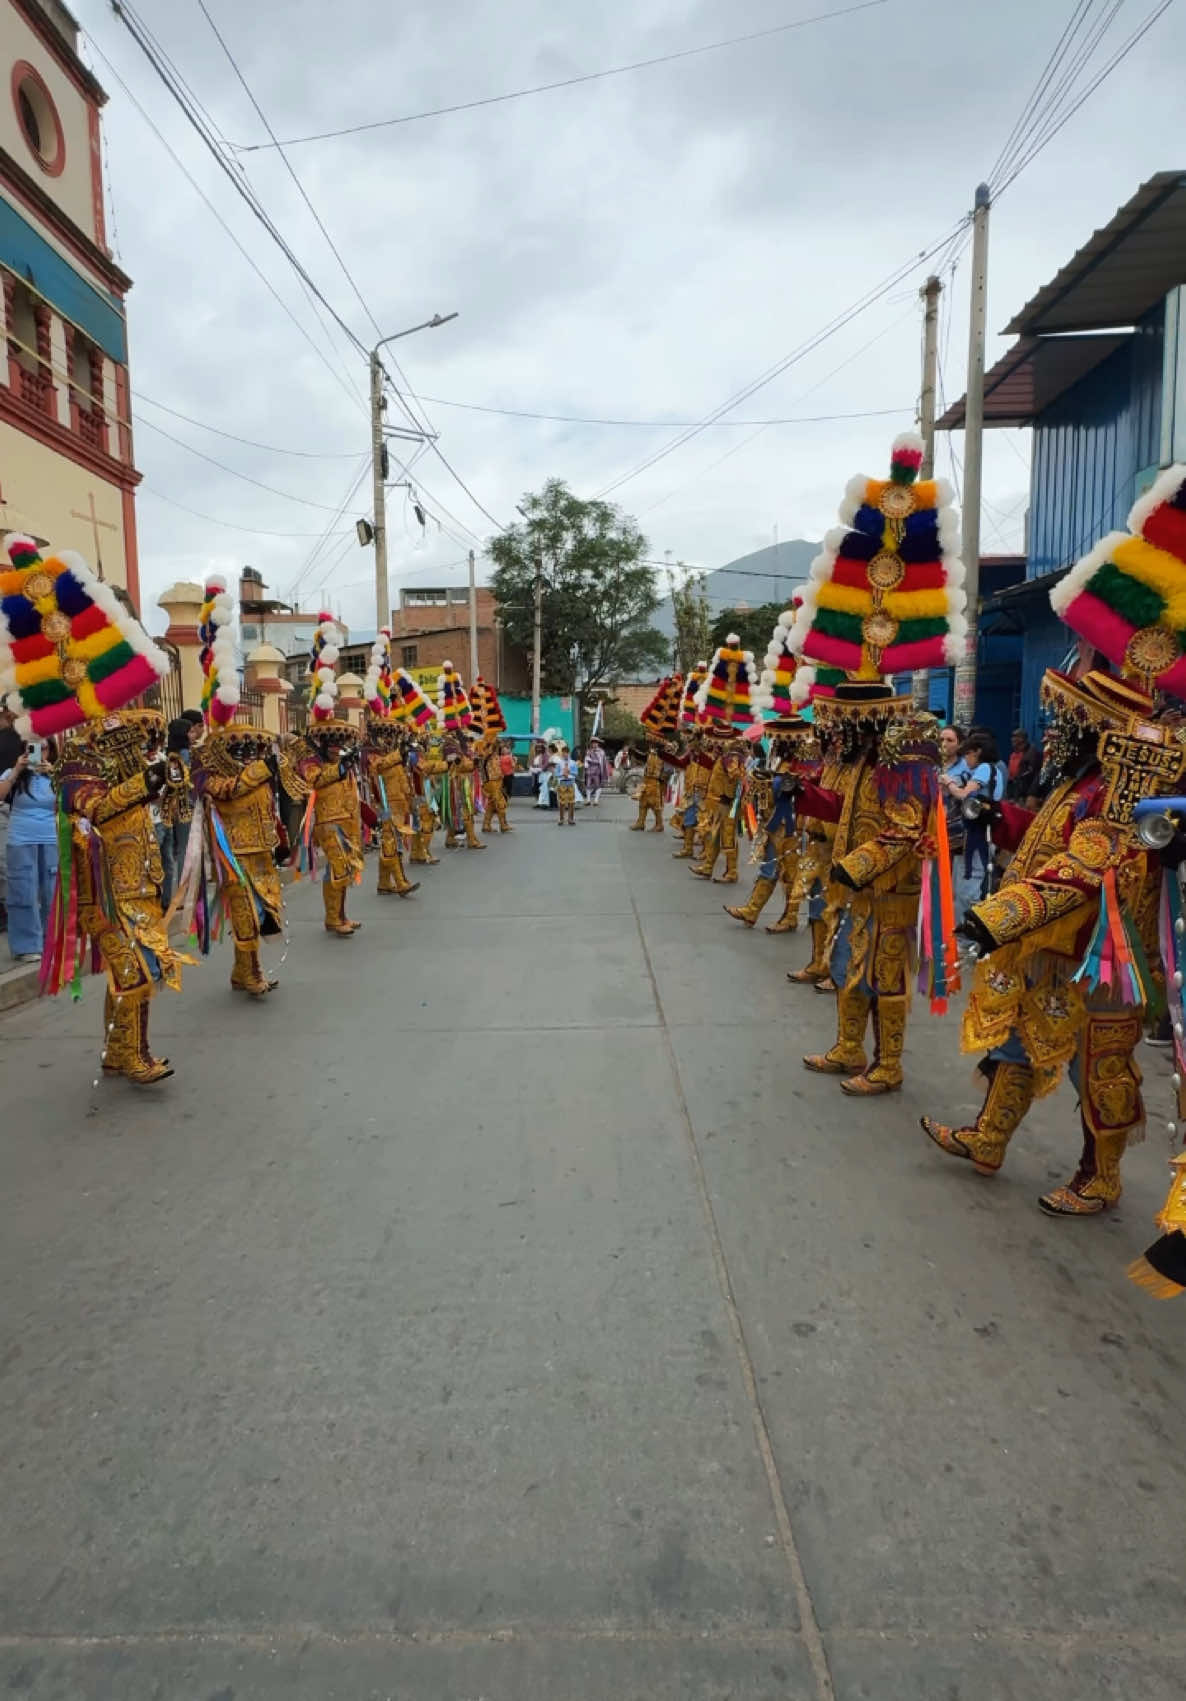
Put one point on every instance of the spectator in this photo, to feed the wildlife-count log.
(11, 747)
(979, 788)
(1025, 765)
(596, 771)
(954, 773)
(27, 786)
(177, 802)
(506, 767)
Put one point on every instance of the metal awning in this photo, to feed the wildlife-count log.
(1032, 374)
(1123, 271)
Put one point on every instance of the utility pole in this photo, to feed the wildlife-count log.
(965, 673)
(536, 640)
(382, 596)
(473, 622)
(379, 498)
(930, 292)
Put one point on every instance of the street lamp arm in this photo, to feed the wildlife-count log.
(425, 325)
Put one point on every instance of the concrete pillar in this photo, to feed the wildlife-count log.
(351, 702)
(264, 672)
(183, 604)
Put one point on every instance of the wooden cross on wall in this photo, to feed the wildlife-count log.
(96, 523)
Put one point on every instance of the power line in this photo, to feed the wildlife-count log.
(249, 442)
(231, 525)
(651, 424)
(565, 82)
(1039, 88)
(338, 376)
(288, 495)
(781, 366)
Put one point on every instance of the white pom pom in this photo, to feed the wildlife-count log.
(732, 640)
(908, 440)
(944, 494)
(325, 675)
(216, 582)
(324, 700)
(329, 654)
(229, 693)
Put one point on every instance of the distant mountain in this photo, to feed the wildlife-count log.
(772, 574)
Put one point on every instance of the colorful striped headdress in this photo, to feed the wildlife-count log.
(774, 687)
(661, 713)
(726, 698)
(886, 593)
(689, 715)
(408, 702)
(453, 706)
(219, 653)
(1127, 597)
(377, 686)
(69, 651)
(487, 710)
(323, 662)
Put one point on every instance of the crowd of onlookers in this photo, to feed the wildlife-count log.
(974, 781)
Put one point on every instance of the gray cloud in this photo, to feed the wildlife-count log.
(641, 246)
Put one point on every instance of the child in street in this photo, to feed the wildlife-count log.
(566, 773)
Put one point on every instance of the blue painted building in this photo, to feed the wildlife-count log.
(1099, 373)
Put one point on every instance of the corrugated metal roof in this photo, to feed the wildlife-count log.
(1032, 374)
(1126, 268)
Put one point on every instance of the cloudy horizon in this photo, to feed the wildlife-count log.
(637, 248)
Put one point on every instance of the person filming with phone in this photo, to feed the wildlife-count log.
(27, 790)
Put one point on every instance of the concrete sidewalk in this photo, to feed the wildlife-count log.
(500, 1310)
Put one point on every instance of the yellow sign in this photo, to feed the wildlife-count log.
(427, 678)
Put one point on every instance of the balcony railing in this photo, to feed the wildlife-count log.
(37, 389)
(92, 428)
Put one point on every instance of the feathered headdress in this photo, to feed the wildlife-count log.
(689, 714)
(408, 702)
(487, 710)
(453, 707)
(377, 686)
(69, 651)
(886, 593)
(323, 662)
(1127, 596)
(774, 687)
(726, 697)
(219, 653)
(661, 713)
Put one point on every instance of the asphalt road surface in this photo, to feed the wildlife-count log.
(500, 1313)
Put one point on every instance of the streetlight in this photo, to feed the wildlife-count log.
(382, 602)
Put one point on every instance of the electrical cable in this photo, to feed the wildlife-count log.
(231, 525)
(338, 376)
(651, 424)
(775, 371)
(1039, 89)
(565, 82)
(249, 442)
(288, 495)
(1063, 91)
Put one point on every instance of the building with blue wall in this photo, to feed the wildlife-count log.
(1099, 373)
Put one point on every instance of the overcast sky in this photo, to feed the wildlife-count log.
(634, 248)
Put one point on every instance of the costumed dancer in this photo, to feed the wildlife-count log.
(726, 704)
(454, 715)
(387, 774)
(490, 723)
(325, 763)
(413, 710)
(885, 596)
(1069, 940)
(567, 773)
(235, 772)
(696, 760)
(659, 719)
(792, 759)
(71, 661)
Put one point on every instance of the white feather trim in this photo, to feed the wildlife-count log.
(955, 571)
(1164, 486)
(908, 440)
(329, 655)
(101, 593)
(732, 640)
(1065, 592)
(801, 686)
(325, 700)
(950, 536)
(955, 644)
(944, 494)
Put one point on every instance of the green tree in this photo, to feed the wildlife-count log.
(599, 593)
(752, 625)
(693, 629)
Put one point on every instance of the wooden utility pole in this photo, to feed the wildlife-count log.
(930, 292)
(382, 600)
(536, 641)
(473, 622)
(965, 673)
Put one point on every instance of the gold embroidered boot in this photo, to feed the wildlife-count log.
(749, 913)
(788, 921)
(817, 968)
(1010, 1094)
(847, 1056)
(889, 1031)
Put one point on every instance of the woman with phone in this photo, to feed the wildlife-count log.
(28, 789)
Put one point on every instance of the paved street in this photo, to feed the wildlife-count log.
(500, 1311)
